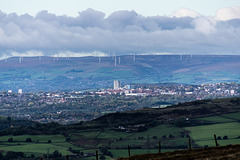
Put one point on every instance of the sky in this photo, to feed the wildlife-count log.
(143, 7)
(94, 27)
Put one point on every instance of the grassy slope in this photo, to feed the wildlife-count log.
(89, 136)
(34, 75)
(39, 145)
(222, 125)
(213, 153)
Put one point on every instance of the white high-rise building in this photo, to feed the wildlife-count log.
(116, 84)
(20, 91)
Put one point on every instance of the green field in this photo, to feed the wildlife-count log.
(38, 147)
(124, 153)
(204, 135)
(232, 116)
(222, 125)
(90, 140)
(216, 119)
(120, 140)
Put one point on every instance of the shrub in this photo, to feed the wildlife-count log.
(219, 138)
(102, 157)
(171, 136)
(14, 155)
(28, 140)
(10, 139)
(56, 154)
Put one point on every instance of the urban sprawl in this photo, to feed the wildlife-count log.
(76, 106)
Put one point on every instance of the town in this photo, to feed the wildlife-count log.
(202, 91)
(75, 106)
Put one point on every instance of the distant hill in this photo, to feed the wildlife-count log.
(51, 74)
(176, 114)
(6, 123)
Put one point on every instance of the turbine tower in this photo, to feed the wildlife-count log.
(20, 59)
(181, 57)
(99, 59)
(115, 61)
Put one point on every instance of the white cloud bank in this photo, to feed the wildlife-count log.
(185, 12)
(123, 32)
(225, 14)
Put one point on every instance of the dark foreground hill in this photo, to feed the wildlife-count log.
(51, 74)
(231, 152)
(142, 130)
(180, 114)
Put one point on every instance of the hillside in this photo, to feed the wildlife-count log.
(176, 114)
(50, 74)
(142, 130)
(212, 153)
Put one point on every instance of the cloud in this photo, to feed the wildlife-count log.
(225, 14)
(185, 12)
(123, 32)
(204, 25)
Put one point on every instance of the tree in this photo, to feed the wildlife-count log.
(32, 156)
(14, 155)
(68, 139)
(171, 136)
(28, 140)
(9, 118)
(219, 138)
(56, 154)
(1, 156)
(10, 139)
(102, 157)
(225, 137)
(49, 141)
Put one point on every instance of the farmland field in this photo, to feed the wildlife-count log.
(204, 135)
(225, 118)
(38, 147)
(216, 119)
(124, 153)
(233, 116)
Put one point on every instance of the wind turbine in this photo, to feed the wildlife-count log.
(20, 59)
(119, 60)
(99, 59)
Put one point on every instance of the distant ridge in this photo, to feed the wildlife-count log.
(175, 114)
(33, 74)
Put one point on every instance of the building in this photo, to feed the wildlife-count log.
(20, 91)
(116, 84)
